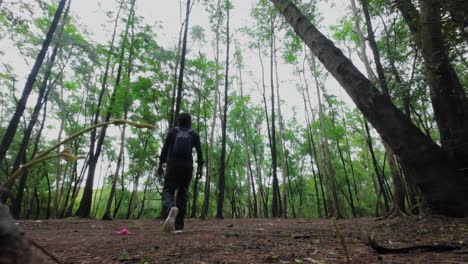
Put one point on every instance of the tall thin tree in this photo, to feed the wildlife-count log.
(222, 162)
(180, 81)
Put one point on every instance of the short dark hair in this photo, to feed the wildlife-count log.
(184, 120)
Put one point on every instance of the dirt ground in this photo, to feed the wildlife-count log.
(247, 240)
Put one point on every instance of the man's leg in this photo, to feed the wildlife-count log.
(182, 197)
(169, 188)
(168, 194)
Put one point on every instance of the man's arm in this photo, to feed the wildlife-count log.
(165, 148)
(197, 145)
(198, 149)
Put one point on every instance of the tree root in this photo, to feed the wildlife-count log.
(421, 248)
(395, 213)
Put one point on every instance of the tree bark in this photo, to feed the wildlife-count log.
(447, 94)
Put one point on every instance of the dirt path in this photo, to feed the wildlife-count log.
(246, 241)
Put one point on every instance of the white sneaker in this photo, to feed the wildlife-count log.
(178, 231)
(170, 220)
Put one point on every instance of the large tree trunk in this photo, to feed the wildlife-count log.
(14, 122)
(447, 94)
(448, 98)
(420, 157)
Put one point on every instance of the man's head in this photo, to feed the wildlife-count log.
(184, 120)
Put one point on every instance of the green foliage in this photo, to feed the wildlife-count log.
(145, 95)
(344, 31)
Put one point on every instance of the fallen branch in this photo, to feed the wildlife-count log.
(50, 255)
(422, 248)
(66, 154)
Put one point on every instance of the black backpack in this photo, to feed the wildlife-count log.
(182, 148)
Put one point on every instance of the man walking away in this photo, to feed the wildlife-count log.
(177, 152)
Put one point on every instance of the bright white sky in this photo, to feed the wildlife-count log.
(166, 13)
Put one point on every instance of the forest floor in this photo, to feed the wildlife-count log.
(247, 240)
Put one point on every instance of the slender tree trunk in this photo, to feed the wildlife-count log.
(176, 68)
(193, 213)
(180, 81)
(282, 146)
(348, 185)
(118, 201)
(210, 160)
(85, 204)
(14, 122)
(133, 195)
(312, 158)
(291, 197)
(245, 138)
(349, 152)
(362, 39)
(397, 210)
(375, 50)
(311, 145)
(276, 204)
(49, 195)
(259, 181)
(222, 162)
(378, 171)
(143, 200)
(335, 209)
(91, 154)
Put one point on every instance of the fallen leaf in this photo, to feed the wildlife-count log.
(311, 260)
